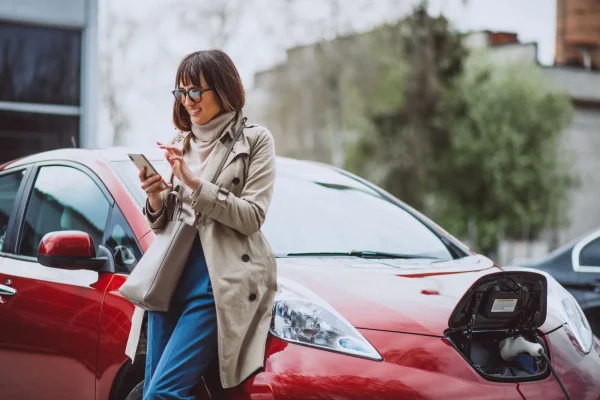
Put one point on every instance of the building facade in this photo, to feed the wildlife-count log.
(578, 33)
(48, 75)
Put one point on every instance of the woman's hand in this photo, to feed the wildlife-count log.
(179, 167)
(152, 186)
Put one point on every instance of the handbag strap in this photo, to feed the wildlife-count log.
(176, 207)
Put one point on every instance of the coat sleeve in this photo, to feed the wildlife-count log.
(246, 213)
(157, 219)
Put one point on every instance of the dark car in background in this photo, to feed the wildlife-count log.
(576, 266)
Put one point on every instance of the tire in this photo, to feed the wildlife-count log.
(137, 393)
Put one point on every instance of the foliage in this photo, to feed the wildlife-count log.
(474, 144)
(399, 152)
(504, 167)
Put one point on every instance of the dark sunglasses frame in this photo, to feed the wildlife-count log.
(194, 94)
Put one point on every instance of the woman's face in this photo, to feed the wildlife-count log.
(204, 110)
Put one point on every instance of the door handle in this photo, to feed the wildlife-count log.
(7, 290)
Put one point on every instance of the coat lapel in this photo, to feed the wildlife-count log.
(213, 162)
(240, 147)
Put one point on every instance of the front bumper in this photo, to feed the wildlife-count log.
(414, 367)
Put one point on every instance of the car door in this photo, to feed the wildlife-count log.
(49, 326)
(11, 187)
(586, 263)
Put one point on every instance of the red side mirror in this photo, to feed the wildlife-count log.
(69, 250)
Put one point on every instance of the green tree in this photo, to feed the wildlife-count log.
(405, 136)
(504, 169)
(472, 143)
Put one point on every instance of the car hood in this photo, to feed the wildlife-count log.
(410, 296)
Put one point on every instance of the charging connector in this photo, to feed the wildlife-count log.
(513, 346)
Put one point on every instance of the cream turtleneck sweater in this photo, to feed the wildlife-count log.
(203, 141)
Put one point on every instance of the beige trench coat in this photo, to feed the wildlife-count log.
(241, 264)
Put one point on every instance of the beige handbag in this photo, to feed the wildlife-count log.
(153, 281)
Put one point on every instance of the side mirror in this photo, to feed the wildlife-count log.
(69, 250)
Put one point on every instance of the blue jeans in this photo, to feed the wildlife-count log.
(182, 341)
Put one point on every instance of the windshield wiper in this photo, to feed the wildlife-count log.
(361, 254)
(381, 254)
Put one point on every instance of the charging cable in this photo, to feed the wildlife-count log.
(513, 346)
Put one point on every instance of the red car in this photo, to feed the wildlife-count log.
(375, 301)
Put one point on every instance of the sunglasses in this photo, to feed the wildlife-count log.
(194, 94)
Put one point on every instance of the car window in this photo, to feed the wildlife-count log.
(322, 215)
(590, 254)
(121, 241)
(128, 172)
(63, 198)
(9, 186)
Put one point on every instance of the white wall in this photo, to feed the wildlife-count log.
(515, 53)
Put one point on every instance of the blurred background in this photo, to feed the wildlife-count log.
(483, 114)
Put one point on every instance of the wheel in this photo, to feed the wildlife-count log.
(137, 392)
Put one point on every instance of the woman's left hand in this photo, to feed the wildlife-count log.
(179, 167)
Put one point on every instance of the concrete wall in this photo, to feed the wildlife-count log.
(579, 83)
(583, 140)
(67, 13)
(514, 53)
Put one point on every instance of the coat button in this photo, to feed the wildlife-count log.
(236, 181)
(252, 297)
(245, 258)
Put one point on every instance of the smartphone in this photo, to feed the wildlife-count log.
(141, 161)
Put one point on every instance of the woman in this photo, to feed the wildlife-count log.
(222, 304)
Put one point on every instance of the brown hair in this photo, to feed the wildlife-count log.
(220, 75)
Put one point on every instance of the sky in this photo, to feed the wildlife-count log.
(144, 59)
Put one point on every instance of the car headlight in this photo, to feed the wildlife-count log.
(564, 302)
(301, 316)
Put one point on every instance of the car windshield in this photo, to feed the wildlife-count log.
(316, 209)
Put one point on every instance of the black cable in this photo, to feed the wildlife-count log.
(556, 375)
(553, 330)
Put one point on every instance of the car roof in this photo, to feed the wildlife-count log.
(114, 154)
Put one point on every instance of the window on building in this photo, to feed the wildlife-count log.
(39, 64)
(40, 88)
(22, 133)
